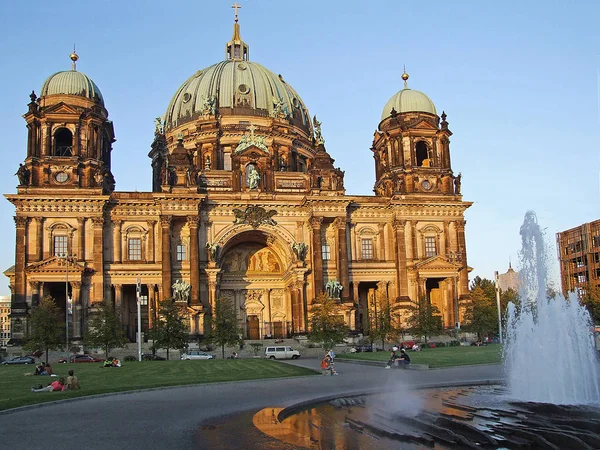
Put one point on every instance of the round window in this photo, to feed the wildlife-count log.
(187, 97)
(241, 66)
(244, 89)
(61, 177)
(426, 185)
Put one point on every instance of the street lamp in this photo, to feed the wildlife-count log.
(498, 304)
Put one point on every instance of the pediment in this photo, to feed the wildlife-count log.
(438, 263)
(61, 108)
(253, 151)
(423, 125)
(55, 264)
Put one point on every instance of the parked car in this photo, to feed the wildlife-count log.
(19, 360)
(196, 354)
(81, 359)
(281, 353)
(151, 357)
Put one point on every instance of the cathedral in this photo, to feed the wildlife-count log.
(246, 203)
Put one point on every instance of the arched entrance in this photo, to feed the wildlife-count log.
(258, 275)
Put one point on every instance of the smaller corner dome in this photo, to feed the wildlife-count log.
(71, 82)
(408, 100)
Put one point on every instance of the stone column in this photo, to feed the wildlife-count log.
(462, 250)
(81, 238)
(34, 288)
(75, 298)
(98, 260)
(165, 223)
(119, 302)
(151, 305)
(342, 260)
(194, 260)
(381, 241)
(20, 255)
(400, 256)
(150, 254)
(39, 250)
(317, 261)
(411, 251)
(445, 250)
(117, 241)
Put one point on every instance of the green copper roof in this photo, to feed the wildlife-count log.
(235, 84)
(71, 82)
(408, 100)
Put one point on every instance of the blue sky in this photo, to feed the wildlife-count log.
(519, 81)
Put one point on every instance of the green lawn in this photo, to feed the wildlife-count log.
(15, 386)
(440, 357)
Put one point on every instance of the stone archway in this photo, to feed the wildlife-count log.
(256, 269)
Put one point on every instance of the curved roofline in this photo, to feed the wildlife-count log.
(71, 82)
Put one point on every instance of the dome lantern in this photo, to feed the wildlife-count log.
(236, 49)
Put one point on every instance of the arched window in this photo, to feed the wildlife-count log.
(63, 142)
(422, 154)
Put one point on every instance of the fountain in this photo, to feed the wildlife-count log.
(551, 397)
(549, 354)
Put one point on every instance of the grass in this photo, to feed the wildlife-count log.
(15, 387)
(439, 357)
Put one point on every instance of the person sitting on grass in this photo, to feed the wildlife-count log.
(72, 381)
(40, 370)
(58, 385)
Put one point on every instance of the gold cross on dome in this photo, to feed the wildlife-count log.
(251, 129)
(236, 7)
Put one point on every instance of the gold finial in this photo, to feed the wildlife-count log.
(74, 57)
(405, 78)
(236, 7)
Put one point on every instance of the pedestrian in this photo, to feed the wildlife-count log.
(403, 360)
(326, 366)
(393, 357)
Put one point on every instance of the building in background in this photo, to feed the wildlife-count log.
(4, 321)
(245, 203)
(579, 257)
(509, 280)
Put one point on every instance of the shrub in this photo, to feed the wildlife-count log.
(454, 343)
(130, 358)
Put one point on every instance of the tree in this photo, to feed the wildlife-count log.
(47, 329)
(424, 319)
(223, 327)
(326, 325)
(169, 330)
(386, 323)
(481, 316)
(487, 286)
(590, 298)
(104, 329)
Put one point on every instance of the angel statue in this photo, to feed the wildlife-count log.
(300, 249)
(318, 136)
(212, 251)
(181, 291)
(160, 126)
(333, 288)
(278, 107)
(253, 177)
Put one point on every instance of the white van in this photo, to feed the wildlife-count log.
(281, 353)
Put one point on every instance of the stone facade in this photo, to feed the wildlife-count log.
(246, 203)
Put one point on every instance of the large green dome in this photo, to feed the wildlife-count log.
(71, 82)
(235, 84)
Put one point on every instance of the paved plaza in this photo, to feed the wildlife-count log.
(171, 418)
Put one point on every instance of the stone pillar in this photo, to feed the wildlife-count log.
(165, 224)
(20, 252)
(445, 250)
(267, 330)
(381, 242)
(194, 260)
(75, 298)
(39, 249)
(152, 312)
(317, 261)
(117, 241)
(119, 302)
(295, 309)
(400, 256)
(462, 250)
(81, 238)
(98, 260)
(411, 251)
(150, 254)
(342, 260)
(34, 286)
